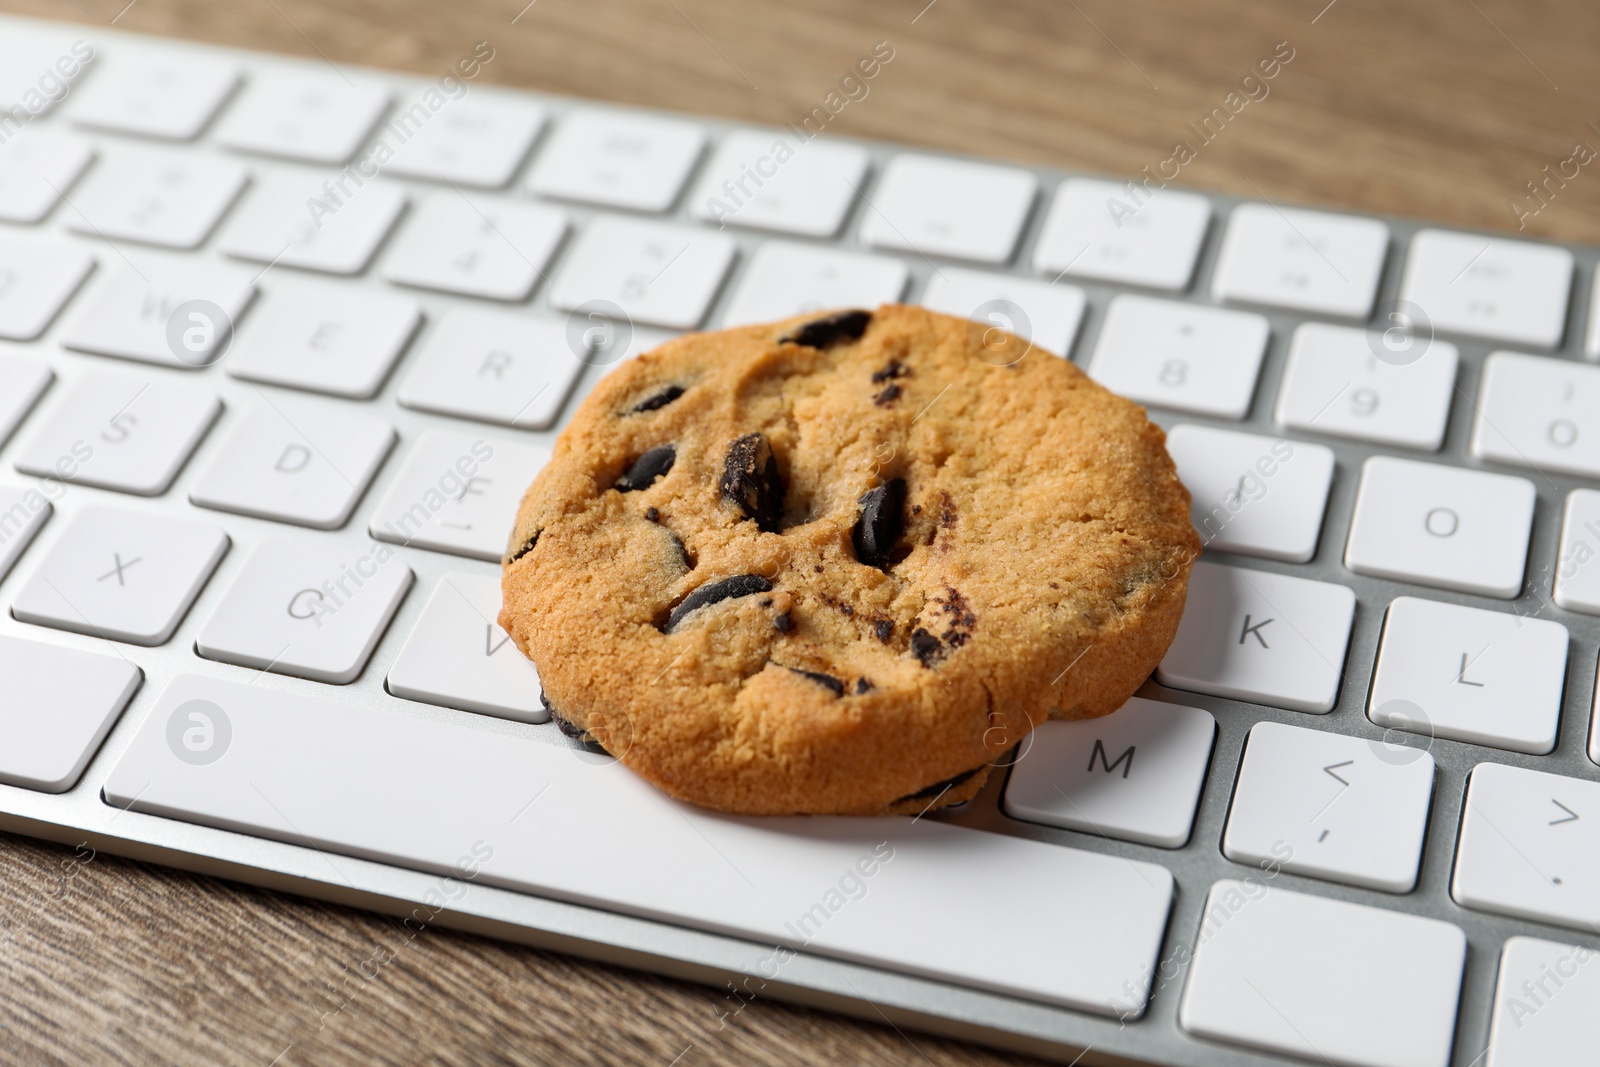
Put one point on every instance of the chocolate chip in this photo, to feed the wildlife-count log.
(647, 468)
(883, 628)
(659, 400)
(525, 547)
(683, 553)
(783, 622)
(765, 602)
(926, 647)
(890, 394)
(827, 680)
(571, 729)
(893, 369)
(652, 513)
(880, 522)
(727, 589)
(864, 685)
(750, 479)
(938, 788)
(824, 333)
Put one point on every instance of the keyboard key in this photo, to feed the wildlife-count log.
(150, 313)
(292, 463)
(120, 432)
(60, 704)
(1591, 344)
(165, 94)
(1539, 413)
(1442, 526)
(1123, 233)
(414, 791)
(1530, 847)
(494, 366)
(121, 575)
(23, 381)
(788, 279)
(495, 249)
(36, 167)
(36, 279)
(156, 197)
(303, 114)
(1134, 774)
(1487, 677)
(1322, 980)
(325, 339)
(1182, 356)
(629, 161)
(1256, 495)
(1545, 1003)
(308, 609)
(1344, 808)
(1045, 314)
(759, 180)
(1489, 287)
(947, 207)
(649, 272)
(291, 220)
(1577, 584)
(1265, 638)
(458, 493)
(479, 140)
(459, 657)
(1389, 388)
(23, 512)
(1304, 260)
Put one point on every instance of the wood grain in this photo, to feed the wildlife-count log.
(1436, 108)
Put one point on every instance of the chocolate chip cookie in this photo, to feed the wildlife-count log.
(843, 564)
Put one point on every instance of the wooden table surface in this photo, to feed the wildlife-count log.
(1437, 108)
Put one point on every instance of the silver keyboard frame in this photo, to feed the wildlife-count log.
(80, 816)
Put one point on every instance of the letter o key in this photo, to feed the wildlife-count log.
(1442, 522)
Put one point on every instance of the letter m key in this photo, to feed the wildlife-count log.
(1125, 761)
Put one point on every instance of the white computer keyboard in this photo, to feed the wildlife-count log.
(283, 344)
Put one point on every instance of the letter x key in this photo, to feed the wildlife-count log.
(119, 568)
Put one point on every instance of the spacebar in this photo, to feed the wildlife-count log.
(1033, 920)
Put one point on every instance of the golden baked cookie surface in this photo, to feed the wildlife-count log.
(831, 564)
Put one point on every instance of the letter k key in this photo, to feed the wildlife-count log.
(1254, 631)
